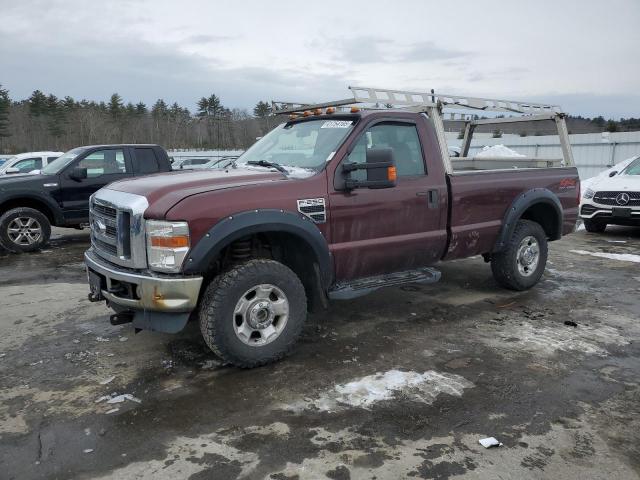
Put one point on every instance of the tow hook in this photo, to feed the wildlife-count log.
(121, 318)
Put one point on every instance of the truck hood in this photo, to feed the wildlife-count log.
(164, 190)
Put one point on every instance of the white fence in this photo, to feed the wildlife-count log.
(592, 152)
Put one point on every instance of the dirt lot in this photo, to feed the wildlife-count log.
(400, 384)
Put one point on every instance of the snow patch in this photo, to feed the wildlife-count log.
(546, 339)
(623, 257)
(366, 391)
(292, 172)
(497, 151)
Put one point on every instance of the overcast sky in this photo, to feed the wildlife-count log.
(581, 54)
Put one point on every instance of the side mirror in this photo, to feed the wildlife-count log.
(380, 167)
(78, 173)
(12, 170)
(613, 174)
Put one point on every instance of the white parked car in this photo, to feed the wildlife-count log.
(612, 199)
(28, 162)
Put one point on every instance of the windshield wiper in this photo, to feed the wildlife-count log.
(230, 159)
(266, 163)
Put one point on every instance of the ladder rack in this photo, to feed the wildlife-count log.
(380, 98)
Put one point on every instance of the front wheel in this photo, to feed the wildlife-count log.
(521, 264)
(254, 313)
(594, 226)
(24, 230)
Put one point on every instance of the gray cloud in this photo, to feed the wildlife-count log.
(144, 51)
(208, 38)
(147, 72)
(427, 52)
(370, 49)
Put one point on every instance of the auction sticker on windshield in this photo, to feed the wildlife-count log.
(337, 124)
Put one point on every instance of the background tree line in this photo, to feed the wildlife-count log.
(46, 122)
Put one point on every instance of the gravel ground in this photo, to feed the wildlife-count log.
(399, 384)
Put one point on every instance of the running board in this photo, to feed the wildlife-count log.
(364, 286)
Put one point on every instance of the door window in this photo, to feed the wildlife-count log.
(146, 161)
(104, 162)
(401, 138)
(28, 164)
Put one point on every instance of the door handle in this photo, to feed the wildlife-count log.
(433, 198)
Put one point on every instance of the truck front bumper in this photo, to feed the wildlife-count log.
(154, 300)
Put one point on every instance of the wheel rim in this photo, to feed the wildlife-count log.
(24, 231)
(528, 256)
(261, 315)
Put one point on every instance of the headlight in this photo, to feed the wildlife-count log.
(167, 244)
(588, 194)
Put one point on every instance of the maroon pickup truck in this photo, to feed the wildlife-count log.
(332, 204)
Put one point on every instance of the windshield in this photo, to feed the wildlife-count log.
(633, 168)
(60, 163)
(302, 148)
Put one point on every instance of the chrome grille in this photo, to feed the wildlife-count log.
(609, 198)
(105, 210)
(117, 227)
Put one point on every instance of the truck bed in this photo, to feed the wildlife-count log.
(479, 201)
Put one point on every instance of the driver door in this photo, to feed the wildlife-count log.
(378, 231)
(103, 167)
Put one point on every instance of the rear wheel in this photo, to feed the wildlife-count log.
(521, 264)
(594, 226)
(24, 230)
(254, 313)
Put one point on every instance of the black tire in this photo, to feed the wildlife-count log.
(218, 322)
(505, 265)
(594, 226)
(8, 239)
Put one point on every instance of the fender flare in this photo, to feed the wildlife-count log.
(236, 226)
(53, 207)
(520, 205)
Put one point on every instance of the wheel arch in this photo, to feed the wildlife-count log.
(539, 205)
(28, 201)
(292, 238)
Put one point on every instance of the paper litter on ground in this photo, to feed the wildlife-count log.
(490, 442)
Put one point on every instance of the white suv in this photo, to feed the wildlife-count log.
(613, 199)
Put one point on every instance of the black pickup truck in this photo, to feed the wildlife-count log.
(59, 195)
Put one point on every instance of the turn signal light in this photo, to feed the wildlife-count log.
(392, 174)
(170, 242)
